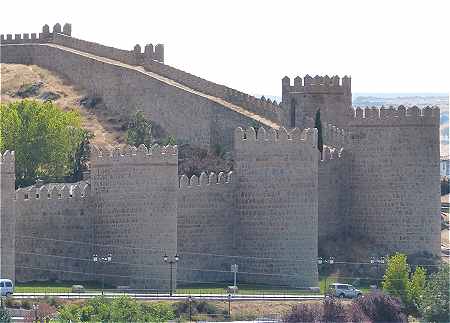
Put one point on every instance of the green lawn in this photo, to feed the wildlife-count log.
(51, 287)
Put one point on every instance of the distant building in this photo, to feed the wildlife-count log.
(445, 166)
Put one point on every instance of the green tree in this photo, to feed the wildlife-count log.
(157, 312)
(45, 139)
(139, 130)
(125, 309)
(318, 126)
(415, 289)
(434, 304)
(396, 277)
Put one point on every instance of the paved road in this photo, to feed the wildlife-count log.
(211, 297)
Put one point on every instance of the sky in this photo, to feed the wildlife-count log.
(385, 46)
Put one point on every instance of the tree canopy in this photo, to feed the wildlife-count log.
(139, 130)
(46, 140)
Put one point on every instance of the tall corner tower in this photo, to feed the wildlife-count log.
(332, 95)
(7, 215)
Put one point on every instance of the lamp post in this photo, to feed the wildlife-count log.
(171, 262)
(35, 309)
(105, 259)
(377, 261)
(322, 261)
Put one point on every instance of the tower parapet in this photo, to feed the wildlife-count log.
(331, 95)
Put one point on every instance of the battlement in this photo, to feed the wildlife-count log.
(395, 116)
(317, 84)
(272, 136)
(43, 37)
(205, 180)
(53, 192)
(331, 154)
(130, 154)
(7, 161)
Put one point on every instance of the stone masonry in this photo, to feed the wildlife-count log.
(378, 178)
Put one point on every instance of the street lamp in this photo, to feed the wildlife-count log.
(104, 259)
(171, 262)
(378, 261)
(322, 261)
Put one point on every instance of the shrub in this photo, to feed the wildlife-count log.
(157, 312)
(139, 130)
(380, 307)
(333, 310)
(304, 313)
(26, 304)
(434, 303)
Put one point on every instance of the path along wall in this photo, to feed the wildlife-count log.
(395, 178)
(186, 115)
(54, 233)
(135, 195)
(277, 206)
(206, 228)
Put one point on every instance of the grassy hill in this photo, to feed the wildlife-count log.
(23, 81)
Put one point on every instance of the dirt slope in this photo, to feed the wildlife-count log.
(33, 82)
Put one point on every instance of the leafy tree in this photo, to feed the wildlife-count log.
(377, 307)
(318, 125)
(45, 139)
(416, 287)
(396, 277)
(170, 140)
(157, 312)
(125, 309)
(69, 313)
(4, 315)
(434, 303)
(139, 130)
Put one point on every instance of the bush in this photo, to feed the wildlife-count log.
(434, 303)
(26, 304)
(304, 313)
(139, 130)
(379, 307)
(333, 310)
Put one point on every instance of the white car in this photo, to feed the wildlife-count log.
(343, 290)
(6, 287)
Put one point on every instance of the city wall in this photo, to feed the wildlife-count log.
(127, 87)
(135, 197)
(206, 228)
(7, 214)
(395, 178)
(54, 233)
(277, 206)
(333, 194)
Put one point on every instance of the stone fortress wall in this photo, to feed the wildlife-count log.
(7, 214)
(378, 177)
(277, 205)
(54, 233)
(135, 198)
(131, 80)
(394, 176)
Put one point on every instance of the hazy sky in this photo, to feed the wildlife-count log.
(386, 46)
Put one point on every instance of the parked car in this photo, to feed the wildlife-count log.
(6, 287)
(343, 290)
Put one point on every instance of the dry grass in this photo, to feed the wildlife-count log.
(106, 130)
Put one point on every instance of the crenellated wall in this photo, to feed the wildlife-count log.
(54, 233)
(130, 80)
(7, 214)
(135, 195)
(395, 178)
(206, 228)
(277, 206)
(331, 95)
(334, 193)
